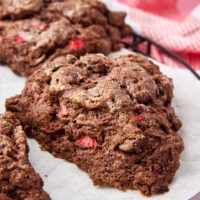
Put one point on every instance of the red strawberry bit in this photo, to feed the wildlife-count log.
(87, 142)
(140, 117)
(64, 112)
(78, 43)
(158, 72)
(19, 39)
(41, 27)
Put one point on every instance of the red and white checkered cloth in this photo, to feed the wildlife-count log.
(174, 24)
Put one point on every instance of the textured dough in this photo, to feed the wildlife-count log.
(111, 117)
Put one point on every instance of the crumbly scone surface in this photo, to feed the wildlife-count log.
(111, 117)
(16, 9)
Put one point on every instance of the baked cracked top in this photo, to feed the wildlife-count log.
(18, 180)
(112, 117)
(16, 9)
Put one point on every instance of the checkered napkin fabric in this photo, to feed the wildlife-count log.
(174, 24)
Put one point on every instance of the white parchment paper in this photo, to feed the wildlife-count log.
(64, 181)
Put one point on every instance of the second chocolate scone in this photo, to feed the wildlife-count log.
(90, 12)
(60, 27)
(111, 117)
(25, 44)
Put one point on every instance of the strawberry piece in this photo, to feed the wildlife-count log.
(19, 39)
(158, 72)
(140, 117)
(86, 142)
(64, 112)
(78, 43)
(42, 27)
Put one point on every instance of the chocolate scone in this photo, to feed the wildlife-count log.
(77, 27)
(111, 117)
(27, 43)
(18, 180)
(90, 12)
(15, 9)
